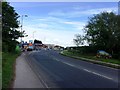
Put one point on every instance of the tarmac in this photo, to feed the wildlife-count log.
(24, 75)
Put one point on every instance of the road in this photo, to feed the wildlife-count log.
(57, 71)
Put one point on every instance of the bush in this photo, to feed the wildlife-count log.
(84, 49)
(116, 56)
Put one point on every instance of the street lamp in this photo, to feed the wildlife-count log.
(22, 25)
(33, 35)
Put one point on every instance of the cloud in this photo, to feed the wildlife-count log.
(74, 23)
(42, 25)
(52, 30)
(57, 37)
(77, 25)
(54, 23)
(51, 19)
(79, 13)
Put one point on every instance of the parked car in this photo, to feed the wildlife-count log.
(103, 54)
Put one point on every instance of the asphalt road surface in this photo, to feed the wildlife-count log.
(57, 71)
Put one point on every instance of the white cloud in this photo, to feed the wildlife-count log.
(54, 23)
(79, 13)
(74, 23)
(43, 25)
(57, 37)
(51, 19)
(77, 25)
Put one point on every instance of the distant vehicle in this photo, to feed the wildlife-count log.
(103, 54)
(24, 46)
(30, 47)
(37, 46)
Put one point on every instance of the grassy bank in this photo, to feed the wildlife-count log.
(8, 61)
(92, 57)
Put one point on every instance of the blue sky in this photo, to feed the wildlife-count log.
(58, 22)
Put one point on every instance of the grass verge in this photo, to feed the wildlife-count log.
(0, 70)
(91, 58)
(8, 61)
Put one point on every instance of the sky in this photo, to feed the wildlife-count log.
(58, 22)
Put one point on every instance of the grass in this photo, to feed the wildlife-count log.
(8, 61)
(0, 70)
(93, 57)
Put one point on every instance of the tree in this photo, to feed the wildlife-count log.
(9, 21)
(9, 26)
(37, 41)
(0, 34)
(78, 40)
(103, 31)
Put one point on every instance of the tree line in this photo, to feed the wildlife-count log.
(102, 32)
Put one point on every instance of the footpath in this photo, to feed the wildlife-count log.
(24, 75)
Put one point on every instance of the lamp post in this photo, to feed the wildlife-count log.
(33, 35)
(22, 25)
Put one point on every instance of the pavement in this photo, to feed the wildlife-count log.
(25, 76)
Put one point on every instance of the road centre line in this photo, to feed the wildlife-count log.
(97, 74)
(69, 64)
(85, 70)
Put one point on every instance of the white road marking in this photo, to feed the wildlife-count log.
(102, 75)
(97, 74)
(64, 62)
(57, 60)
(85, 69)
(69, 64)
(88, 70)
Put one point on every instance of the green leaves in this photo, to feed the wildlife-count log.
(9, 25)
(103, 30)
